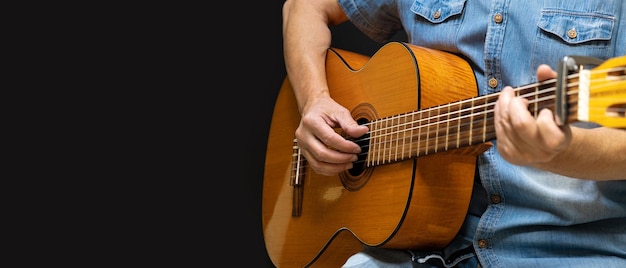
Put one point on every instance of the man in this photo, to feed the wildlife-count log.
(560, 191)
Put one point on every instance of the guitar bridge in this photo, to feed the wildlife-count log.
(298, 167)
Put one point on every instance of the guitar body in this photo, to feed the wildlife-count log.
(418, 203)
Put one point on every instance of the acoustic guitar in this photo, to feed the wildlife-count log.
(410, 188)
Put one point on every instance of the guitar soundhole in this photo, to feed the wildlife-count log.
(356, 177)
(363, 142)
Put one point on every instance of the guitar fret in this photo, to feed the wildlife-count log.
(377, 141)
(392, 138)
(458, 130)
(380, 143)
(411, 135)
(471, 119)
(485, 120)
(403, 131)
(397, 127)
(536, 109)
(389, 140)
(418, 126)
(370, 147)
(427, 132)
(447, 128)
(375, 133)
(399, 141)
(385, 141)
(437, 129)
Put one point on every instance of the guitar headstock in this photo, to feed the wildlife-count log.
(602, 94)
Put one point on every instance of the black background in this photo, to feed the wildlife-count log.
(167, 127)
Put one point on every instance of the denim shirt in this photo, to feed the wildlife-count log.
(531, 218)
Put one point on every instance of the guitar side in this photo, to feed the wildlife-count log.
(419, 203)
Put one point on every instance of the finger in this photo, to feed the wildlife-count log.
(521, 119)
(325, 168)
(353, 129)
(516, 128)
(331, 139)
(328, 146)
(348, 125)
(544, 72)
(324, 160)
(501, 107)
(500, 115)
(504, 131)
(523, 130)
(554, 137)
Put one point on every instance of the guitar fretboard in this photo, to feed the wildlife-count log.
(466, 122)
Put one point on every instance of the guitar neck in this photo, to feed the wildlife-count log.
(471, 121)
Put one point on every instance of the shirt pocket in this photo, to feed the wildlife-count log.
(435, 23)
(566, 32)
(438, 11)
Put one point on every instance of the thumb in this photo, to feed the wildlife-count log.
(544, 72)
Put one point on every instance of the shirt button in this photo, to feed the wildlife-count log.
(572, 33)
(482, 243)
(493, 83)
(497, 18)
(437, 14)
(495, 199)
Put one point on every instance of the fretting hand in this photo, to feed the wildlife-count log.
(523, 139)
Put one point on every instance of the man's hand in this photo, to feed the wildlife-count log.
(327, 152)
(523, 139)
